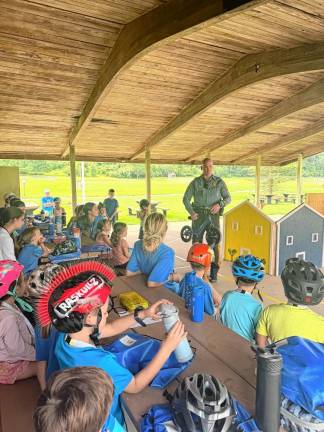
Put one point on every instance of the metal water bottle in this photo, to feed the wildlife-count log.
(197, 304)
(268, 391)
(170, 315)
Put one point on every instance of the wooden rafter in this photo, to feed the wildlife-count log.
(169, 21)
(290, 138)
(248, 70)
(312, 95)
(306, 151)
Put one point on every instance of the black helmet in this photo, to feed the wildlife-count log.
(144, 203)
(202, 404)
(213, 236)
(303, 282)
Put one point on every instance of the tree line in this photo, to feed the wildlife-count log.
(312, 167)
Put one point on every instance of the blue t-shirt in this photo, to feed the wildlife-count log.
(29, 256)
(157, 265)
(47, 200)
(70, 356)
(45, 350)
(240, 312)
(111, 205)
(191, 280)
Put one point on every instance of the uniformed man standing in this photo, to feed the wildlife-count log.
(210, 196)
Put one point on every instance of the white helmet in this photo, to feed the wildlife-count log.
(38, 278)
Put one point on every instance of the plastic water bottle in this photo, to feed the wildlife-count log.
(77, 237)
(58, 224)
(268, 391)
(170, 316)
(197, 304)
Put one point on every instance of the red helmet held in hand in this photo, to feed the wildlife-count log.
(200, 253)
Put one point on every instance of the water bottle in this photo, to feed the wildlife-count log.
(51, 228)
(170, 316)
(197, 303)
(268, 391)
(77, 237)
(58, 224)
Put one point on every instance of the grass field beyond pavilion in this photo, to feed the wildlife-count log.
(168, 192)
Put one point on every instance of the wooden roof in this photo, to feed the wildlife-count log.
(183, 78)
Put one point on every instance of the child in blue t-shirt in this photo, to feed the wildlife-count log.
(239, 310)
(76, 304)
(152, 257)
(31, 247)
(199, 257)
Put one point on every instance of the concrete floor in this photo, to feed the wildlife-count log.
(270, 288)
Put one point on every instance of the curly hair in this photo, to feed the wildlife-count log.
(155, 227)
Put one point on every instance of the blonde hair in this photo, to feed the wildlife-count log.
(118, 229)
(155, 227)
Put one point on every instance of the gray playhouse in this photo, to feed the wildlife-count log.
(300, 234)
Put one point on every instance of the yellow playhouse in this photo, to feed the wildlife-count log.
(247, 230)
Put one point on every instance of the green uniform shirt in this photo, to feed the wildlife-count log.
(206, 193)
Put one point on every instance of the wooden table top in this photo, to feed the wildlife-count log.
(219, 352)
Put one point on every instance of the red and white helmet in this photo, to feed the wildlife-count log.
(9, 272)
(200, 253)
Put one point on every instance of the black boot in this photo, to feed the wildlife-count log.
(213, 272)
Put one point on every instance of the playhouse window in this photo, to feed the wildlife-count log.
(244, 251)
(314, 237)
(258, 229)
(289, 240)
(301, 255)
(235, 226)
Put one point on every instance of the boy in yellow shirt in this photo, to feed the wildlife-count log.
(303, 283)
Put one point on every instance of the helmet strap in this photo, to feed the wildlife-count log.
(23, 305)
(94, 336)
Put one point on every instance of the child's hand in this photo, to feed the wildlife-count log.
(175, 336)
(153, 311)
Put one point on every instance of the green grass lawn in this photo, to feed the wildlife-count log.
(168, 192)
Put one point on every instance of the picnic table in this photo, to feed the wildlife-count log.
(219, 352)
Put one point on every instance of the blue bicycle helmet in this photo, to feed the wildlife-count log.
(248, 268)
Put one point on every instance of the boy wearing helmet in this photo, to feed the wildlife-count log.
(199, 257)
(303, 283)
(239, 310)
(76, 304)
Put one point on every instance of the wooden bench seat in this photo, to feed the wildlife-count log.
(17, 405)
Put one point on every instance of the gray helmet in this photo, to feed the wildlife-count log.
(202, 404)
(38, 279)
(303, 282)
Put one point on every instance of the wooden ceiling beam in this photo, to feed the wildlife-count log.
(248, 70)
(290, 138)
(312, 95)
(306, 152)
(161, 25)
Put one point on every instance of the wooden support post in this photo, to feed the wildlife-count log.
(148, 174)
(258, 182)
(299, 178)
(73, 177)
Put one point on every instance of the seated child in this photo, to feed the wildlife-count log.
(303, 283)
(76, 303)
(239, 310)
(103, 232)
(144, 211)
(199, 257)
(120, 250)
(45, 338)
(71, 401)
(31, 247)
(17, 345)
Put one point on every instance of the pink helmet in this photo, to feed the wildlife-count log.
(9, 272)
